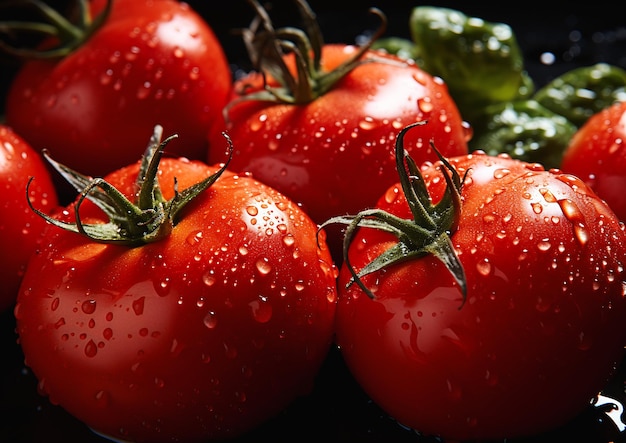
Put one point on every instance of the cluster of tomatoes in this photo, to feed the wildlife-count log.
(184, 247)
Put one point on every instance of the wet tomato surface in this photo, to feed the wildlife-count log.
(540, 324)
(203, 334)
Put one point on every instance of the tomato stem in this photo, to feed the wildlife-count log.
(428, 233)
(267, 48)
(60, 35)
(150, 219)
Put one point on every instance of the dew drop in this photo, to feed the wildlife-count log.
(89, 306)
(138, 305)
(261, 309)
(263, 266)
(107, 333)
(367, 124)
(289, 240)
(425, 105)
(544, 245)
(210, 320)
(102, 399)
(483, 267)
(208, 279)
(194, 238)
(300, 286)
(91, 349)
(501, 173)
(575, 216)
(392, 194)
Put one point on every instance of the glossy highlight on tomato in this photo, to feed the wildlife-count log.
(540, 330)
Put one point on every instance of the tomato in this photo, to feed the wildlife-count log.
(197, 331)
(19, 226)
(597, 154)
(314, 142)
(501, 315)
(150, 62)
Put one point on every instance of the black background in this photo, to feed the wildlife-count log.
(337, 410)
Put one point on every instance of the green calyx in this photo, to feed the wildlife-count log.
(67, 34)
(268, 46)
(149, 219)
(429, 231)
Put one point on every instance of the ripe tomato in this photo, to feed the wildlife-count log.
(202, 334)
(150, 62)
(19, 226)
(315, 142)
(540, 328)
(597, 154)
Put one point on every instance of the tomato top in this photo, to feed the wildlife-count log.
(320, 126)
(148, 63)
(540, 328)
(203, 333)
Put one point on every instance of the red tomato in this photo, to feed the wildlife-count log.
(541, 327)
(151, 62)
(20, 227)
(316, 148)
(201, 335)
(597, 154)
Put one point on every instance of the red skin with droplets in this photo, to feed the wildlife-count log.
(335, 155)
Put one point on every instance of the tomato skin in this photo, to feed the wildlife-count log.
(203, 335)
(19, 225)
(597, 154)
(315, 152)
(150, 63)
(541, 329)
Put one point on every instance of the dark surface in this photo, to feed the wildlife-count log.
(337, 410)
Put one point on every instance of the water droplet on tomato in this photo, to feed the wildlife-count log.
(573, 213)
(194, 238)
(263, 266)
(425, 105)
(91, 349)
(261, 309)
(107, 333)
(208, 278)
(367, 124)
(55, 304)
(230, 351)
(484, 267)
(102, 399)
(210, 320)
(138, 305)
(289, 240)
(544, 245)
(89, 306)
(144, 91)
